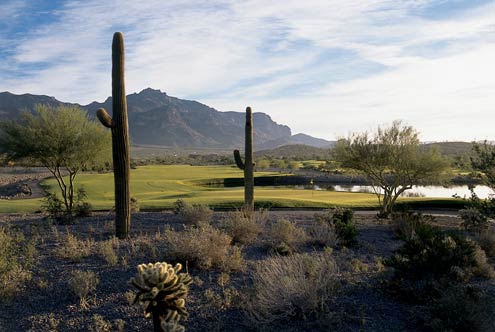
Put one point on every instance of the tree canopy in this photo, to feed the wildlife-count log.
(392, 160)
(63, 139)
(483, 161)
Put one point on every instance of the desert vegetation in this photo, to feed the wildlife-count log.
(292, 270)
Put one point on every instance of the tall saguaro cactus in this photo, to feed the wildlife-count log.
(118, 123)
(248, 165)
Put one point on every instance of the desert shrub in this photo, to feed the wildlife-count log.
(53, 206)
(16, 258)
(73, 249)
(243, 228)
(204, 247)
(84, 209)
(486, 240)
(405, 223)
(100, 324)
(193, 214)
(473, 219)
(82, 283)
(297, 287)
(107, 251)
(285, 237)
(461, 309)
(134, 204)
(433, 258)
(322, 233)
(179, 205)
(342, 221)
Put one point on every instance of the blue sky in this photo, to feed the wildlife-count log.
(323, 67)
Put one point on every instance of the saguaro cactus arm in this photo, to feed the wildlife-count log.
(238, 160)
(104, 118)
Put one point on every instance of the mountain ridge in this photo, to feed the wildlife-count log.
(156, 118)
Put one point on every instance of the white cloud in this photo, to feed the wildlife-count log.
(324, 67)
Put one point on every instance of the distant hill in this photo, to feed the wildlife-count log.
(161, 120)
(296, 151)
(452, 149)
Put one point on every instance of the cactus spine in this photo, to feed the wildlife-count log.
(248, 165)
(162, 290)
(120, 138)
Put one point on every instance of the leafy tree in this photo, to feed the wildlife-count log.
(62, 139)
(392, 160)
(263, 164)
(484, 162)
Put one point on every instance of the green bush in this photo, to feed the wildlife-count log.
(342, 220)
(431, 259)
(474, 219)
(461, 309)
(406, 223)
(84, 209)
(53, 206)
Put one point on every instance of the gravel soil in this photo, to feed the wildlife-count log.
(46, 302)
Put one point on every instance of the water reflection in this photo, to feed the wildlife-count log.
(418, 191)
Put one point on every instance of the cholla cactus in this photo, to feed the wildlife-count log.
(162, 291)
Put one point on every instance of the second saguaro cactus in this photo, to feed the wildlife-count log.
(248, 165)
(118, 123)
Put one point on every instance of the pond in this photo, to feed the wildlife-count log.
(416, 191)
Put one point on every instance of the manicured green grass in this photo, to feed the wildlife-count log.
(158, 187)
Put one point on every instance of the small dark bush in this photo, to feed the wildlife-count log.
(405, 223)
(431, 259)
(461, 309)
(83, 209)
(474, 219)
(53, 206)
(342, 221)
(179, 206)
(134, 204)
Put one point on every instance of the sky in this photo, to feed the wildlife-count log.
(326, 68)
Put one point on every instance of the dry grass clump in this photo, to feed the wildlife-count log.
(82, 283)
(204, 247)
(73, 249)
(486, 241)
(285, 237)
(322, 234)
(107, 251)
(193, 214)
(143, 246)
(296, 287)
(243, 228)
(16, 257)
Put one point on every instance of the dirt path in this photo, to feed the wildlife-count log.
(20, 183)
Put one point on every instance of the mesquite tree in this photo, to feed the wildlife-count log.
(392, 160)
(62, 139)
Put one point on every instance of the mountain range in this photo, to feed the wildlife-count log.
(161, 120)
